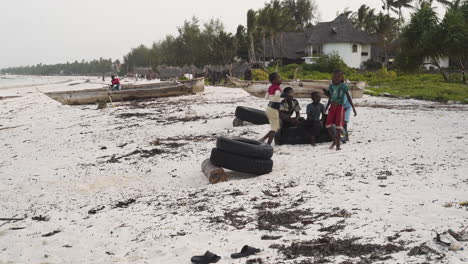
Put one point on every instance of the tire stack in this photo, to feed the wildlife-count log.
(251, 115)
(242, 155)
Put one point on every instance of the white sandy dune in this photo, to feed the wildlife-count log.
(77, 167)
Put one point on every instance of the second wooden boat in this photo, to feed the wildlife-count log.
(302, 89)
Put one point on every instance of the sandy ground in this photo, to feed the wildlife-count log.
(123, 184)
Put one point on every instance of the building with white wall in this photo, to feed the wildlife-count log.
(338, 36)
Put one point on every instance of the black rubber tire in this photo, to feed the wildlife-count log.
(298, 136)
(245, 147)
(240, 163)
(251, 115)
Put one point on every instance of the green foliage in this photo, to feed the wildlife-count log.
(327, 63)
(183, 78)
(419, 40)
(372, 64)
(194, 45)
(259, 75)
(421, 86)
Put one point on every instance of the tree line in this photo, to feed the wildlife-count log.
(93, 67)
(209, 43)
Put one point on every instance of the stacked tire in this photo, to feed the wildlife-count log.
(242, 155)
(251, 115)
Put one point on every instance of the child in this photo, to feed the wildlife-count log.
(347, 117)
(115, 84)
(272, 110)
(337, 91)
(313, 124)
(288, 106)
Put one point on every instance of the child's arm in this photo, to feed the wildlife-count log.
(298, 115)
(351, 102)
(328, 105)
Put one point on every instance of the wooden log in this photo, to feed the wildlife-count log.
(213, 173)
(237, 122)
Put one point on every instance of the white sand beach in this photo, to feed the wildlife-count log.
(76, 167)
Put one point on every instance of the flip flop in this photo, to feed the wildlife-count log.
(245, 251)
(205, 259)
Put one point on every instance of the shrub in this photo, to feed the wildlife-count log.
(372, 64)
(328, 63)
(259, 75)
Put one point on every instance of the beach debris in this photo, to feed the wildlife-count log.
(269, 193)
(382, 177)
(267, 205)
(51, 233)
(423, 249)
(122, 145)
(268, 237)
(124, 203)
(40, 218)
(237, 122)
(232, 218)
(449, 241)
(327, 246)
(180, 233)
(102, 147)
(333, 228)
(17, 228)
(101, 105)
(254, 261)
(459, 236)
(213, 173)
(143, 153)
(95, 210)
(11, 219)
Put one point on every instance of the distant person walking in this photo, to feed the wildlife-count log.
(115, 84)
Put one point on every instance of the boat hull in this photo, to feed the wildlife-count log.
(302, 89)
(129, 92)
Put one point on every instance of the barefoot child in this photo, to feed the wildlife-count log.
(338, 91)
(272, 110)
(313, 124)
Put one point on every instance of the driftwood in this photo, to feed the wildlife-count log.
(237, 122)
(11, 219)
(213, 173)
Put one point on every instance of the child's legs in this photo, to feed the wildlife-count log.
(273, 118)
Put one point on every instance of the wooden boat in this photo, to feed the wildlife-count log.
(302, 88)
(129, 92)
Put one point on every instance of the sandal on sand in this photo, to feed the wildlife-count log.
(245, 251)
(205, 259)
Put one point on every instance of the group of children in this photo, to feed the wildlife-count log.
(279, 112)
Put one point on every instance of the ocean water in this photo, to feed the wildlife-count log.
(14, 79)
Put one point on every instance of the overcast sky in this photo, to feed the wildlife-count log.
(55, 31)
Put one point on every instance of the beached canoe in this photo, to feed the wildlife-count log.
(302, 88)
(129, 92)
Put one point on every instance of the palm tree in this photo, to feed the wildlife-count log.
(389, 5)
(386, 33)
(401, 4)
(251, 29)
